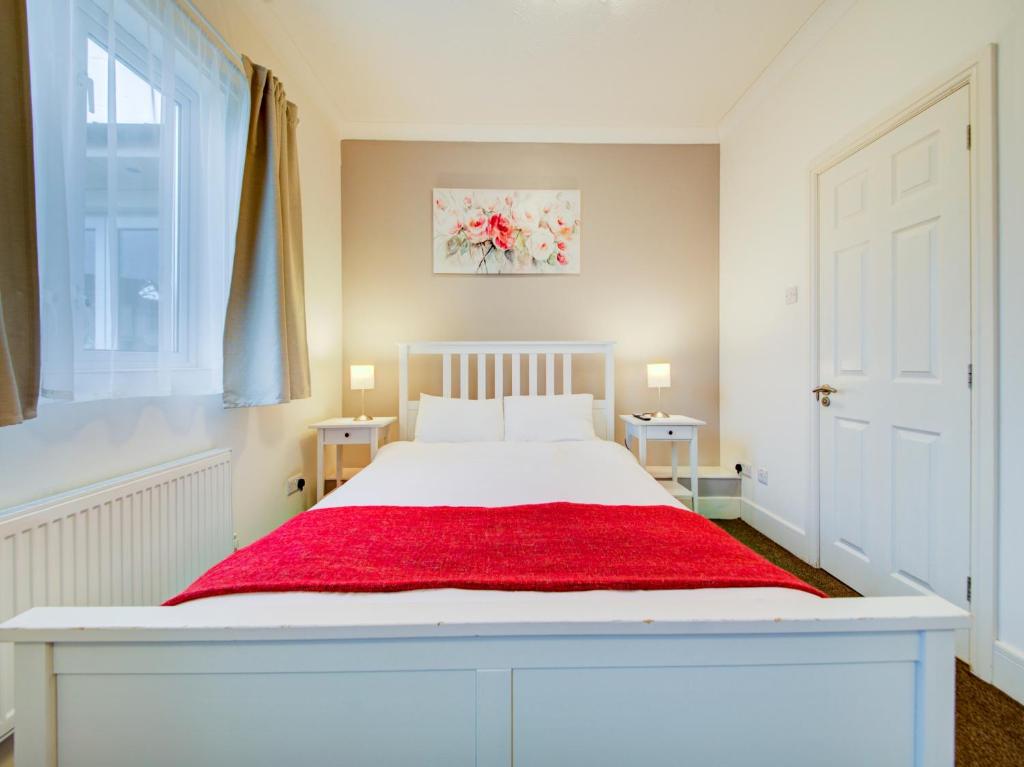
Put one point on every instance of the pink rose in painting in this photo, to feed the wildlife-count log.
(541, 245)
(500, 230)
(476, 224)
(560, 249)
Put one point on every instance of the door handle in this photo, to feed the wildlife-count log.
(823, 394)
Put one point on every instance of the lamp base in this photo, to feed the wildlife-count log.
(364, 417)
(659, 414)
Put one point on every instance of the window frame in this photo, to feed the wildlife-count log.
(179, 352)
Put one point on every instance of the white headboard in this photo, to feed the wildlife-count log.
(498, 351)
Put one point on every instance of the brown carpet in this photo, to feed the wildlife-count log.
(989, 724)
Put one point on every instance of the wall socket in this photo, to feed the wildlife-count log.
(744, 469)
(762, 475)
(792, 294)
(296, 484)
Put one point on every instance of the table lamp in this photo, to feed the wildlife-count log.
(362, 379)
(659, 376)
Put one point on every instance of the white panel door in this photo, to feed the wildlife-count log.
(895, 335)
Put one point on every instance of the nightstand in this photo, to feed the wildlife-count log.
(346, 431)
(674, 429)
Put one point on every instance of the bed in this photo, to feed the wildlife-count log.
(453, 676)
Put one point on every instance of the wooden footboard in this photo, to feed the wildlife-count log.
(837, 682)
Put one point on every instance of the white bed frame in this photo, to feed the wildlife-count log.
(737, 678)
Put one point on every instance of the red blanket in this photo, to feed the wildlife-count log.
(542, 547)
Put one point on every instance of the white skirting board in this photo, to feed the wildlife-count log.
(784, 533)
(1008, 670)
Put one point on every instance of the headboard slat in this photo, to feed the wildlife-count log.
(533, 375)
(481, 376)
(517, 369)
(464, 375)
(566, 373)
(499, 376)
(446, 376)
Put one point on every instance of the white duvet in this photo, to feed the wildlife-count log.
(498, 474)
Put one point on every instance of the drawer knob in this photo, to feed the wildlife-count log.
(670, 432)
(346, 435)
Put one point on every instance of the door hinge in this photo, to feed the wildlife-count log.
(970, 375)
(968, 135)
(968, 588)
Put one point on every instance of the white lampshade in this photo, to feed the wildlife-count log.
(362, 376)
(659, 375)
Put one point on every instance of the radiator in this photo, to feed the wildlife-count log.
(131, 540)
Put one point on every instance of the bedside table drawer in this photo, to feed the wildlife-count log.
(343, 436)
(668, 432)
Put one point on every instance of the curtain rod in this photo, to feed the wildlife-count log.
(211, 32)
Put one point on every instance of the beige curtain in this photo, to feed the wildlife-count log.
(265, 356)
(19, 270)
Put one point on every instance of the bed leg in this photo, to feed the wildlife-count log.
(35, 696)
(934, 713)
(494, 717)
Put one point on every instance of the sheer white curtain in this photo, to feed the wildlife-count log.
(140, 121)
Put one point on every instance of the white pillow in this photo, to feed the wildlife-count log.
(549, 419)
(443, 419)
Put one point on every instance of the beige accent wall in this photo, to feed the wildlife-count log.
(649, 266)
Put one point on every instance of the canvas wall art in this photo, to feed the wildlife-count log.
(489, 231)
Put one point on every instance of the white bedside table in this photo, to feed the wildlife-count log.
(346, 431)
(674, 429)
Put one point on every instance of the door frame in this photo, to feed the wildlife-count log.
(979, 75)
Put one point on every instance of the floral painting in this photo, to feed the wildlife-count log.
(487, 231)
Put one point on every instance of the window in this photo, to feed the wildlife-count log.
(140, 130)
(122, 227)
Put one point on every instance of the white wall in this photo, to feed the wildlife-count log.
(867, 65)
(72, 444)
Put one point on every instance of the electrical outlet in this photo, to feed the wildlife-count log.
(296, 484)
(745, 469)
(762, 476)
(792, 294)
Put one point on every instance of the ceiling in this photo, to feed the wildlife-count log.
(542, 70)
